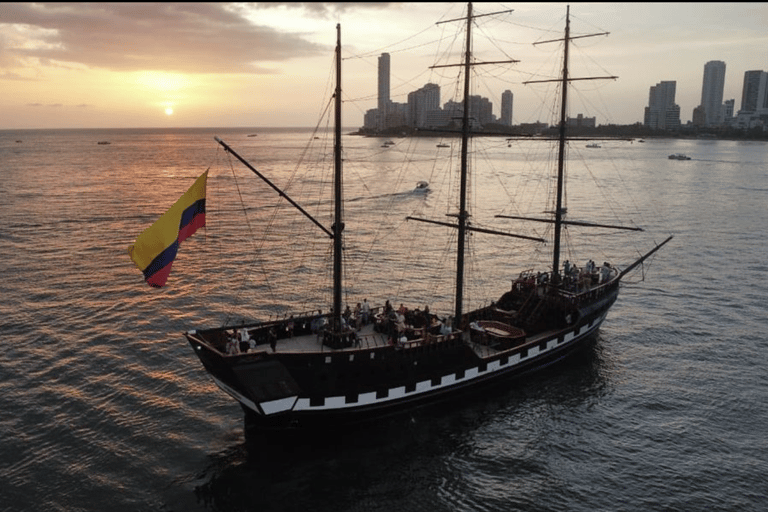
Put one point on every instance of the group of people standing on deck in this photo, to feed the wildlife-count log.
(357, 319)
(241, 341)
(396, 323)
(573, 275)
(392, 322)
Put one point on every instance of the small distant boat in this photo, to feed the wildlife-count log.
(388, 143)
(593, 145)
(641, 140)
(18, 141)
(443, 145)
(253, 135)
(421, 187)
(679, 156)
(103, 142)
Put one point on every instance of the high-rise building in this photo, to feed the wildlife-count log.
(506, 107)
(712, 92)
(383, 103)
(420, 103)
(754, 94)
(728, 110)
(662, 113)
(754, 101)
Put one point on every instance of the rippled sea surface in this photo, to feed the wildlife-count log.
(103, 406)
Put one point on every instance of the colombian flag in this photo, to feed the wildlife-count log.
(155, 249)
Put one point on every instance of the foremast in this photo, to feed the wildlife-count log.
(565, 79)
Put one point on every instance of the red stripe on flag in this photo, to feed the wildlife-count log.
(159, 278)
(197, 222)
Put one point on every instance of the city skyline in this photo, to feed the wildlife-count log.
(155, 65)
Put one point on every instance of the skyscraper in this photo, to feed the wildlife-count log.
(712, 92)
(383, 104)
(506, 107)
(420, 103)
(662, 113)
(754, 94)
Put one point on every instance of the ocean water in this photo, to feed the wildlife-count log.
(103, 405)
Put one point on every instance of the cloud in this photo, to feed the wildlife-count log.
(10, 75)
(57, 105)
(173, 37)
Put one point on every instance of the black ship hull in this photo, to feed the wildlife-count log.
(286, 390)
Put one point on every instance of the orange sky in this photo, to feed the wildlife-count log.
(105, 65)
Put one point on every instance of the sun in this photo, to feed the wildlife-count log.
(168, 111)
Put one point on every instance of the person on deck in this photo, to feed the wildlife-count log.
(356, 317)
(446, 329)
(365, 312)
(605, 272)
(232, 344)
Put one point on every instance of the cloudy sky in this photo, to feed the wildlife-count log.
(102, 65)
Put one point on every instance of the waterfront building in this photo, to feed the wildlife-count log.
(712, 87)
(754, 100)
(383, 90)
(506, 108)
(420, 103)
(662, 113)
(582, 122)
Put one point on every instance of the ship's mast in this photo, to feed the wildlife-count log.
(463, 215)
(561, 153)
(564, 80)
(338, 222)
(462, 223)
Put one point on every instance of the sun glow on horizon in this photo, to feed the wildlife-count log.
(168, 111)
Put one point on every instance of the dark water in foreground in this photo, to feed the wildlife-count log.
(103, 406)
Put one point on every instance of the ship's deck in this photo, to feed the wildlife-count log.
(312, 342)
(368, 339)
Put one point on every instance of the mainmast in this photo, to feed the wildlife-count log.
(463, 215)
(338, 222)
(561, 153)
(462, 223)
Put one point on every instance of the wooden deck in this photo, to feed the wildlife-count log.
(313, 343)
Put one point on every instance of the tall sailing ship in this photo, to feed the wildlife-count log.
(333, 368)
